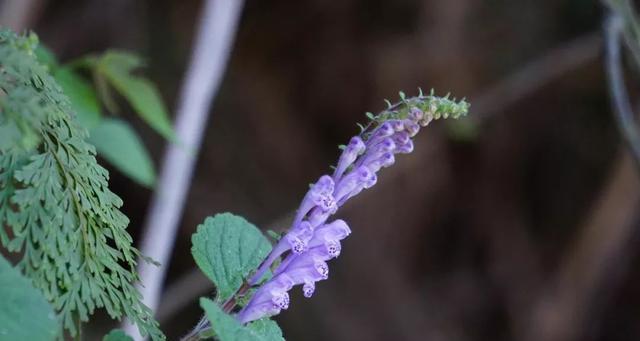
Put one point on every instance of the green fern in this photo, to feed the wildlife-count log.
(55, 205)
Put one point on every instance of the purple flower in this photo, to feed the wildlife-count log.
(310, 266)
(299, 236)
(405, 148)
(269, 300)
(311, 241)
(352, 182)
(349, 155)
(329, 236)
(319, 195)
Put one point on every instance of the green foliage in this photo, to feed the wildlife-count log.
(227, 328)
(55, 206)
(227, 248)
(24, 313)
(117, 335)
(118, 143)
(84, 101)
(113, 67)
(117, 67)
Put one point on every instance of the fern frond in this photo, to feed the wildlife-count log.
(55, 204)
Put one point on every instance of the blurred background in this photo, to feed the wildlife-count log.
(517, 223)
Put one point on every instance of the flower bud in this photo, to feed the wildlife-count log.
(415, 114)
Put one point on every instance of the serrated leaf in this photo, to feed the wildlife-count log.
(227, 328)
(227, 248)
(268, 329)
(117, 335)
(143, 95)
(64, 223)
(24, 313)
(84, 101)
(119, 144)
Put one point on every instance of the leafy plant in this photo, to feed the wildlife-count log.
(252, 278)
(58, 215)
(115, 140)
(56, 210)
(23, 305)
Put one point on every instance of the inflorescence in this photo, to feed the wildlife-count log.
(311, 240)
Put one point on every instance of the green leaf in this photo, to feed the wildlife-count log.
(267, 329)
(117, 335)
(56, 210)
(142, 94)
(119, 144)
(24, 313)
(122, 60)
(227, 328)
(84, 101)
(227, 248)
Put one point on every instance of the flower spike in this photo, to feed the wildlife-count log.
(311, 241)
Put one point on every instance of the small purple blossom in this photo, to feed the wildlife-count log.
(355, 147)
(272, 297)
(311, 241)
(319, 195)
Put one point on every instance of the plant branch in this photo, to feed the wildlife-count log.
(211, 52)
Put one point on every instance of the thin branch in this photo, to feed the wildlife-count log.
(215, 38)
(617, 90)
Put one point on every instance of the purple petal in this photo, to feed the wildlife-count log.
(351, 182)
(411, 127)
(397, 125)
(385, 160)
(400, 138)
(269, 300)
(299, 236)
(406, 148)
(317, 217)
(308, 289)
(318, 195)
(355, 147)
(335, 230)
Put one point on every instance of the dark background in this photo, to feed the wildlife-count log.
(519, 223)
